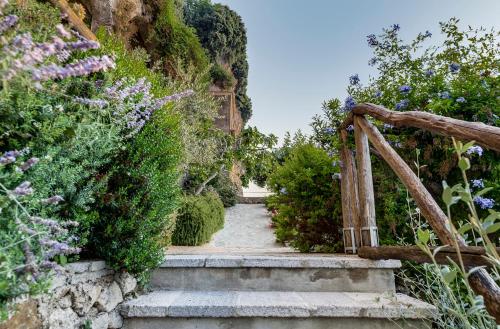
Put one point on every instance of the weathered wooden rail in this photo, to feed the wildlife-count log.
(358, 202)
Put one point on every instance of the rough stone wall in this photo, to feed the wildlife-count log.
(84, 293)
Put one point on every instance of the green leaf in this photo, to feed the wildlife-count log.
(447, 194)
(63, 260)
(484, 191)
(465, 228)
(449, 275)
(468, 146)
(492, 228)
(464, 163)
(423, 236)
(465, 196)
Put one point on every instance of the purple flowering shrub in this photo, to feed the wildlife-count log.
(48, 60)
(28, 243)
(91, 131)
(457, 78)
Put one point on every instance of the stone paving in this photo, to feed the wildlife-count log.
(247, 226)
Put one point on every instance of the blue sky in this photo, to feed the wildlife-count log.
(301, 52)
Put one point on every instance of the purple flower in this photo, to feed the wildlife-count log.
(484, 203)
(81, 67)
(62, 31)
(476, 149)
(373, 61)
(350, 128)
(454, 67)
(28, 164)
(387, 126)
(23, 189)
(283, 191)
(329, 130)
(402, 104)
(395, 27)
(460, 100)
(444, 95)
(429, 73)
(377, 94)
(53, 200)
(404, 89)
(478, 183)
(7, 22)
(372, 40)
(349, 104)
(427, 34)
(98, 103)
(9, 157)
(354, 80)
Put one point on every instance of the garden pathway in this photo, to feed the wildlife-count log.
(246, 229)
(246, 226)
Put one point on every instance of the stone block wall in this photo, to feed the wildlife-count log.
(84, 295)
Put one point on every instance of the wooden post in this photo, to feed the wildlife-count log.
(480, 280)
(73, 18)
(350, 201)
(369, 232)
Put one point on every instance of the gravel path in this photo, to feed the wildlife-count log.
(246, 226)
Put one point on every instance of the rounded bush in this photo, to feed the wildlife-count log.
(199, 217)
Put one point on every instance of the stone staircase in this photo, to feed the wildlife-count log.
(274, 291)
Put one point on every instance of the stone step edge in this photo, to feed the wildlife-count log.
(281, 261)
(235, 304)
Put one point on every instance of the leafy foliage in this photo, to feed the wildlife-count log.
(307, 201)
(221, 31)
(447, 286)
(199, 217)
(458, 79)
(255, 151)
(176, 41)
(225, 188)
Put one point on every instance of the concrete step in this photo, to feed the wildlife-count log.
(267, 272)
(274, 310)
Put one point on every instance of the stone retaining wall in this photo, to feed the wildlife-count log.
(85, 295)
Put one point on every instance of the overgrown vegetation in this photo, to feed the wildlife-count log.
(100, 153)
(457, 79)
(199, 217)
(222, 33)
(306, 207)
(447, 286)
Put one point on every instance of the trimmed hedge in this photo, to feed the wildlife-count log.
(199, 217)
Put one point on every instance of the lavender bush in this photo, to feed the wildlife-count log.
(28, 243)
(79, 123)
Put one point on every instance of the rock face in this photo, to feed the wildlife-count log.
(125, 18)
(84, 293)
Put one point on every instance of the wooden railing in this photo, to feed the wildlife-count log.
(358, 201)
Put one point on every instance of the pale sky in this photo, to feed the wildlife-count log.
(301, 52)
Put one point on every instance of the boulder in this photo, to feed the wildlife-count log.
(126, 282)
(109, 298)
(63, 319)
(84, 297)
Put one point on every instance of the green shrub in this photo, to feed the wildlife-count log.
(222, 77)
(455, 78)
(177, 43)
(199, 217)
(135, 210)
(226, 189)
(222, 33)
(307, 201)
